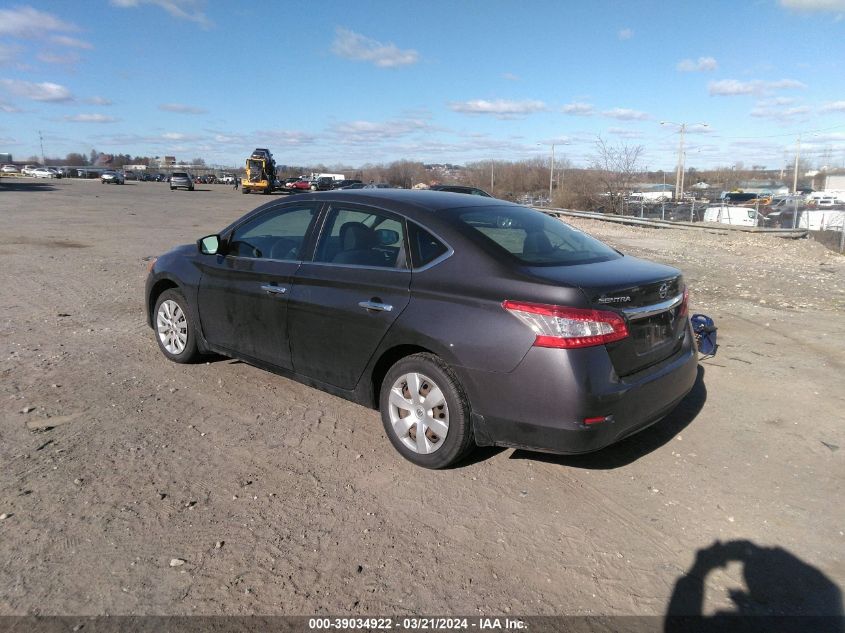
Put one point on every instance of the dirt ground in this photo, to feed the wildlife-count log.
(281, 499)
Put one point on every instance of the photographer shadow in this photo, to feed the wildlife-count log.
(783, 593)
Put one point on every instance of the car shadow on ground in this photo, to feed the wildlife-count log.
(638, 445)
(22, 185)
(781, 593)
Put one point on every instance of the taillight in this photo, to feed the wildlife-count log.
(566, 328)
(684, 309)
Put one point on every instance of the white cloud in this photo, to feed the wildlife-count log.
(833, 106)
(834, 6)
(511, 77)
(578, 108)
(5, 106)
(68, 59)
(781, 114)
(26, 22)
(352, 45)
(8, 54)
(702, 64)
(625, 34)
(45, 91)
(181, 108)
(734, 87)
(100, 101)
(501, 108)
(90, 118)
(191, 10)
(626, 114)
(353, 132)
(71, 42)
(624, 132)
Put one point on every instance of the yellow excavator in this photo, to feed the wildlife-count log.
(260, 172)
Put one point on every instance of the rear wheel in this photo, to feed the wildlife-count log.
(425, 412)
(174, 329)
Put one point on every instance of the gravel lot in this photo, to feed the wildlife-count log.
(280, 499)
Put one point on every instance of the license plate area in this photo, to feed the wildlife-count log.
(653, 332)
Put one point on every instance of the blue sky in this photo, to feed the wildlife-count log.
(436, 81)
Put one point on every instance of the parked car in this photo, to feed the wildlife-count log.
(300, 185)
(354, 185)
(9, 169)
(342, 184)
(112, 178)
(289, 182)
(42, 172)
(324, 183)
(475, 191)
(377, 185)
(554, 341)
(181, 179)
(130, 175)
(27, 170)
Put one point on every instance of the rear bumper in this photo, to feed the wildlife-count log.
(541, 405)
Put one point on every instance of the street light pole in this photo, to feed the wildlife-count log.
(491, 174)
(551, 173)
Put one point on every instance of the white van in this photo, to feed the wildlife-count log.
(825, 198)
(725, 214)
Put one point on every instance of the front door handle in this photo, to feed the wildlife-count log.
(377, 307)
(274, 290)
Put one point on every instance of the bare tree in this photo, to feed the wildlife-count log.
(616, 167)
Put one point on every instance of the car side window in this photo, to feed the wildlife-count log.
(425, 248)
(362, 238)
(276, 234)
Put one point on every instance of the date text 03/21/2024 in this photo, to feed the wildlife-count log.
(416, 624)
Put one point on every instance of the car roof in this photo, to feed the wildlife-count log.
(410, 199)
(415, 204)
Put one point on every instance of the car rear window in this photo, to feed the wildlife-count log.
(179, 174)
(531, 237)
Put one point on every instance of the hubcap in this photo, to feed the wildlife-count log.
(418, 413)
(172, 327)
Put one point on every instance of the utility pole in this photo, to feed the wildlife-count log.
(41, 140)
(678, 176)
(795, 171)
(551, 173)
(795, 185)
(491, 175)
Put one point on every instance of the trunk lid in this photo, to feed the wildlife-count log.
(648, 295)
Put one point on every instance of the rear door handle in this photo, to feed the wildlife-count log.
(377, 307)
(274, 290)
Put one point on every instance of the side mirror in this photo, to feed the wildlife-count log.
(386, 237)
(209, 244)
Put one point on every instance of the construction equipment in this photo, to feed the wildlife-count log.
(260, 172)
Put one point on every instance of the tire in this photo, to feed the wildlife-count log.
(425, 374)
(174, 327)
(173, 189)
(244, 190)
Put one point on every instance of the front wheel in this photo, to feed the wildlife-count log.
(174, 329)
(425, 412)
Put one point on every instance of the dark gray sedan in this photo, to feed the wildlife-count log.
(465, 320)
